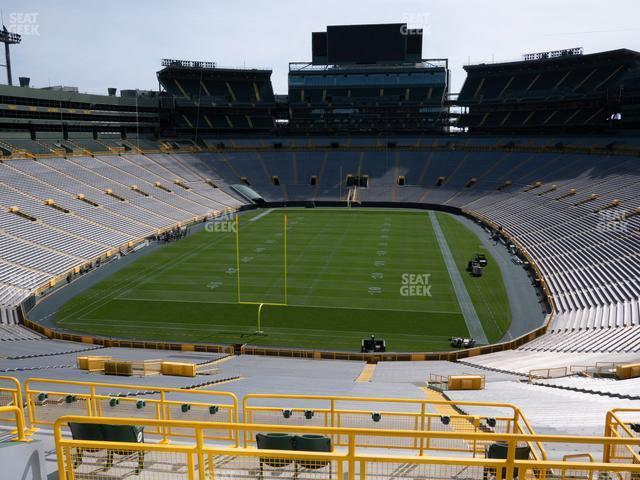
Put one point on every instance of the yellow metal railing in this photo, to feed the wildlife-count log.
(620, 423)
(196, 458)
(419, 415)
(10, 392)
(18, 420)
(49, 399)
(571, 474)
(11, 403)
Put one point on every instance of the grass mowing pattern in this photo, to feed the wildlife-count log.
(487, 292)
(187, 291)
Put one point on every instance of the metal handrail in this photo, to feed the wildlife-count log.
(347, 459)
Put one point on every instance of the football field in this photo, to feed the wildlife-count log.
(349, 273)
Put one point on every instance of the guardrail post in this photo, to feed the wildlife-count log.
(234, 433)
(236, 408)
(334, 438)
(245, 433)
(511, 457)
(92, 405)
(200, 446)
(62, 472)
(351, 457)
(191, 467)
(20, 426)
(19, 400)
(606, 451)
(246, 418)
(30, 410)
(476, 424)
(423, 408)
(163, 416)
(333, 404)
(516, 421)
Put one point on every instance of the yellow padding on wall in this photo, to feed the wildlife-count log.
(631, 370)
(466, 382)
(179, 369)
(92, 363)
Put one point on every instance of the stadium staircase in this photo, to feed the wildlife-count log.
(621, 389)
(581, 383)
(492, 369)
(17, 333)
(367, 373)
(457, 424)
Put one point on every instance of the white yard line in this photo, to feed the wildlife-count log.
(466, 305)
(260, 215)
(183, 300)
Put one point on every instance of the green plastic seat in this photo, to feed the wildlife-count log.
(312, 443)
(123, 433)
(274, 441)
(128, 434)
(108, 433)
(85, 431)
(499, 450)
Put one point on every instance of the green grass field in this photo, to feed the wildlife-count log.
(345, 278)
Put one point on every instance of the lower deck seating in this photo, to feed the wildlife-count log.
(576, 215)
(523, 360)
(12, 333)
(57, 214)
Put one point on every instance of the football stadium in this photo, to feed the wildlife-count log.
(366, 261)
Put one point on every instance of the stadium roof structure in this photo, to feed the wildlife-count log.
(212, 71)
(611, 55)
(309, 67)
(563, 94)
(57, 95)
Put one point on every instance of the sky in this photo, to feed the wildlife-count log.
(95, 44)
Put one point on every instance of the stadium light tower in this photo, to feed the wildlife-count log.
(8, 38)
